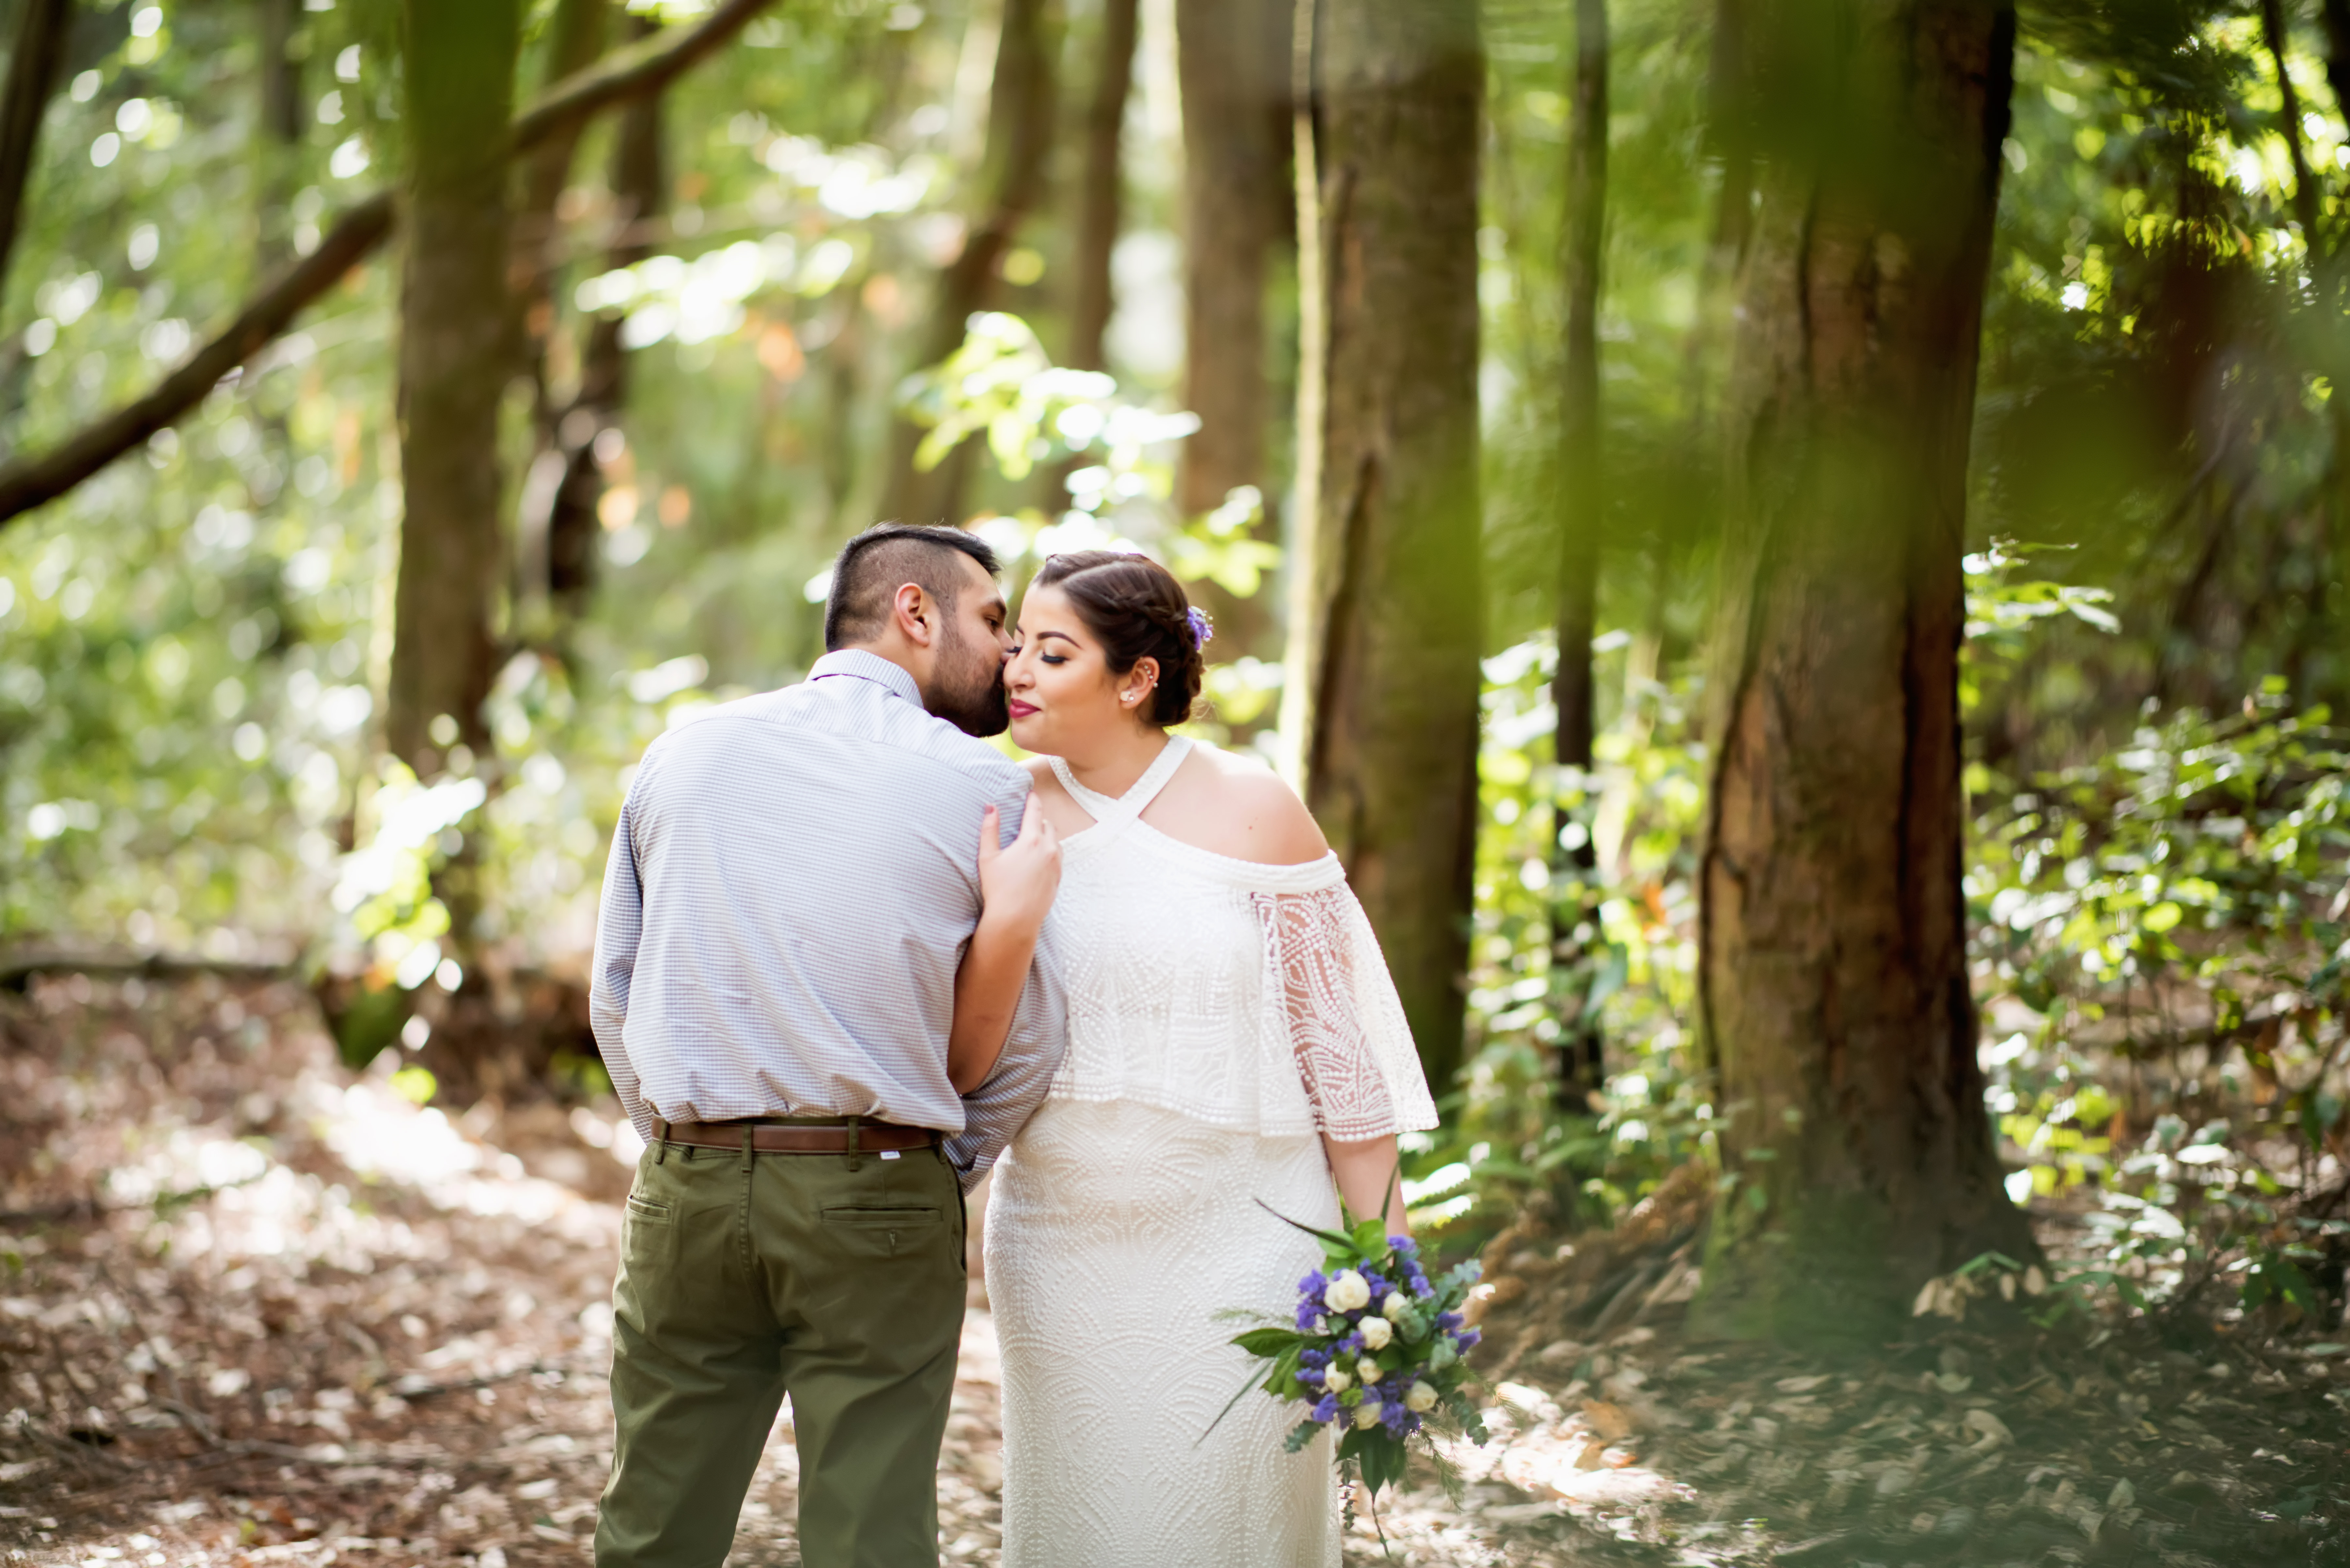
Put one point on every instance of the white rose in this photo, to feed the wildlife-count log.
(1347, 1292)
(1366, 1414)
(1421, 1398)
(1369, 1371)
(1397, 1302)
(1336, 1381)
(1376, 1332)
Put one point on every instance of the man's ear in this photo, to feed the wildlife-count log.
(916, 616)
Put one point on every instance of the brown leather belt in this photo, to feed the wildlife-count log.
(855, 1135)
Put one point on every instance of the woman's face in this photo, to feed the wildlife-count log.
(1063, 693)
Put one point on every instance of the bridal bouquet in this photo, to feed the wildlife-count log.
(1377, 1350)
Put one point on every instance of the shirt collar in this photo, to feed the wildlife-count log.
(857, 664)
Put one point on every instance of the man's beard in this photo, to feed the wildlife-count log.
(967, 688)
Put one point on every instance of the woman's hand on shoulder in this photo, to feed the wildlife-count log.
(1263, 815)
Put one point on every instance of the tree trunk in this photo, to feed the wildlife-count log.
(1395, 544)
(1098, 198)
(1019, 141)
(575, 37)
(1582, 518)
(2334, 517)
(639, 185)
(2336, 15)
(1233, 61)
(40, 47)
(455, 348)
(1833, 980)
(281, 130)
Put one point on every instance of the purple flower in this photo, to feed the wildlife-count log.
(1404, 1245)
(1317, 1359)
(1448, 1320)
(1466, 1338)
(1394, 1416)
(1313, 1285)
(1201, 630)
(1326, 1408)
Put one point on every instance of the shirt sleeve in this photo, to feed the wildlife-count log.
(995, 1111)
(1339, 1011)
(619, 927)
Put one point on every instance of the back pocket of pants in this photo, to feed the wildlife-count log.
(885, 1232)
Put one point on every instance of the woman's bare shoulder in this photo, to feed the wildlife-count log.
(1245, 810)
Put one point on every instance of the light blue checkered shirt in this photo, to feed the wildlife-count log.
(793, 883)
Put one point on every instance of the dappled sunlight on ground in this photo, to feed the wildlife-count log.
(257, 1311)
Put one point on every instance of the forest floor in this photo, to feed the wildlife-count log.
(254, 1310)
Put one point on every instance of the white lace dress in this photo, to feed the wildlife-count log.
(1223, 1015)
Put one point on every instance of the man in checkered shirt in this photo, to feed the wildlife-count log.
(819, 991)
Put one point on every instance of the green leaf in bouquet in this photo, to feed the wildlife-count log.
(1327, 1237)
(1410, 1323)
(1269, 1340)
(1282, 1382)
(1370, 1237)
(1383, 1457)
(1299, 1436)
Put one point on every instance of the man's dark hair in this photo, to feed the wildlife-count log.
(872, 566)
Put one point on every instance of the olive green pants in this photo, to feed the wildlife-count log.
(836, 1278)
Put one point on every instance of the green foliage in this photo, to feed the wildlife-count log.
(2165, 930)
(1001, 384)
(1638, 810)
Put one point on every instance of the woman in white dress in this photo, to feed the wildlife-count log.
(1236, 1045)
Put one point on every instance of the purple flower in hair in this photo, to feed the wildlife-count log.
(1201, 627)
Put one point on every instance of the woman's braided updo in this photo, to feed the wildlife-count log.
(1139, 611)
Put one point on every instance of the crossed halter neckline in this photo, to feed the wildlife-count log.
(1107, 809)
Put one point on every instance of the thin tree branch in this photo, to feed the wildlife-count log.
(32, 78)
(628, 74)
(2304, 187)
(631, 72)
(30, 482)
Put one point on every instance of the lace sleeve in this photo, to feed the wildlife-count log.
(1339, 1012)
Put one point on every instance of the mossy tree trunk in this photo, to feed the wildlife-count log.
(1833, 977)
(1395, 543)
(455, 352)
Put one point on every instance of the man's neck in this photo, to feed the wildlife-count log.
(896, 654)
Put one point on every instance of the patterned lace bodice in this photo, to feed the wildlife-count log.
(1248, 996)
